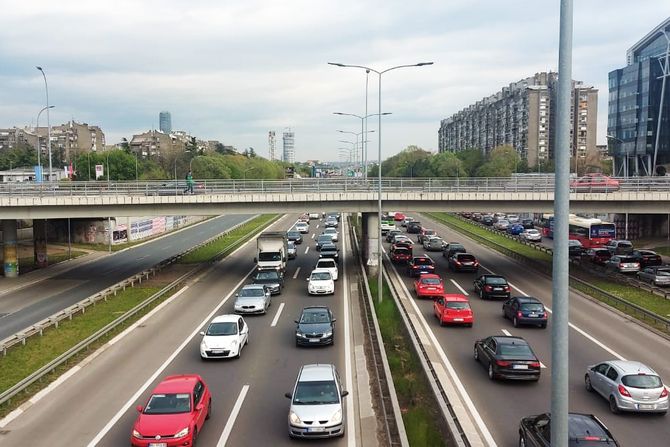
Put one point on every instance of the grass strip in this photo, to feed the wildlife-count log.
(664, 251)
(27, 264)
(646, 300)
(415, 397)
(23, 360)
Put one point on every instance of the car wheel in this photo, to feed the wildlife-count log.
(587, 383)
(476, 354)
(515, 322)
(614, 407)
(441, 321)
(492, 374)
(481, 294)
(522, 441)
(504, 313)
(543, 325)
(209, 410)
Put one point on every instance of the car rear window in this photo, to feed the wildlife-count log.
(423, 261)
(431, 281)
(532, 307)
(401, 251)
(429, 232)
(458, 305)
(642, 381)
(515, 350)
(627, 259)
(462, 257)
(496, 280)
(624, 244)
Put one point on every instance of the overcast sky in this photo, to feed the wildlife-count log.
(233, 70)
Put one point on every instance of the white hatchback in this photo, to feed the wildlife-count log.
(225, 337)
(320, 282)
(328, 264)
(302, 227)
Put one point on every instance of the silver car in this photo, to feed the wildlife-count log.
(317, 409)
(332, 232)
(253, 299)
(628, 386)
(292, 250)
(531, 235)
(433, 243)
(656, 275)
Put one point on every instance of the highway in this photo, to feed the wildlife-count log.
(97, 405)
(596, 334)
(35, 302)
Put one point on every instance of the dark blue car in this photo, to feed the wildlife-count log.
(515, 229)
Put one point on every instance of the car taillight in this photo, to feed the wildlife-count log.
(544, 315)
(623, 391)
(535, 364)
(592, 438)
(519, 314)
(476, 262)
(664, 393)
(488, 288)
(620, 264)
(506, 288)
(458, 262)
(502, 363)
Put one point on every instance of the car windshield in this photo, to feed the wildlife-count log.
(225, 328)
(428, 232)
(252, 292)
(496, 280)
(430, 281)
(317, 316)
(269, 274)
(422, 261)
(295, 234)
(316, 393)
(627, 259)
(326, 264)
(532, 307)
(291, 245)
(169, 404)
(269, 256)
(642, 381)
(515, 350)
(663, 272)
(320, 276)
(458, 305)
(574, 243)
(532, 232)
(624, 244)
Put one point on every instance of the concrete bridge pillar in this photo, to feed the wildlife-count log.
(371, 235)
(10, 248)
(40, 242)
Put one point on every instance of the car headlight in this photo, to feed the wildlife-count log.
(294, 418)
(300, 334)
(203, 345)
(181, 433)
(136, 434)
(327, 334)
(336, 418)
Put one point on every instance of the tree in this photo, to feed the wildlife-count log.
(446, 164)
(502, 162)
(472, 159)
(22, 155)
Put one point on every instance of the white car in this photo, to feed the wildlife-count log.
(332, 232)
(512, 218)
(314, 215)
(531, 235)
(225, 337)
(320, 282)
(407, 220)
(328, 264)
(387, 226)
(302, 227)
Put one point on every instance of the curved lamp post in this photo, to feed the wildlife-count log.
(46, 86)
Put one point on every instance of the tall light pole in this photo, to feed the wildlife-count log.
(46, 86)
(364, 119)
(363, 142)
(37, 134)
(379, 139)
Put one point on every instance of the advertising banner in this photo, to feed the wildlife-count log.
(99, 171)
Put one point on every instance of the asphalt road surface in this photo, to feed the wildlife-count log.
(596, 334)
(97, 405)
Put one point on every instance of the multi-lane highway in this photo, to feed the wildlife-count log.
(596, 334)
(37, 301)
(96, 406)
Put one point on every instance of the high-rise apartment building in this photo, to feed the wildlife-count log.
(521, 115)
(639, 92)
(272, 145)
(289, 146)
(165, 122)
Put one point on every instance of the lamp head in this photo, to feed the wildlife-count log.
(39, 68)
(421, 64)
(336, 64)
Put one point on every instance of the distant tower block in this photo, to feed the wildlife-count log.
(165, 122)
(289, 146)
(272, 143)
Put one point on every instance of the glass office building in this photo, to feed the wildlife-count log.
(637, 97)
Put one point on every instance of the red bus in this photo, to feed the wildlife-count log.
(589, 231)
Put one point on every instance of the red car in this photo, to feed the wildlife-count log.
(599, 255)
(453, 309)
(429, 285)
(594, 183)
(174, 413)
(399, 217)
(400, 253)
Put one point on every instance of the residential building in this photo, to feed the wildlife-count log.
(165, 122)
(289, 146)
(153, 143)
(639, 142)
(272, 144)
(13, 137)
(522, 115)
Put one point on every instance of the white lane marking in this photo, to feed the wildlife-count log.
(351, 433)
(452, 372)
(506, 332)
(518, 290)
(317, 225)
(165, 364)
(143, 257)
(459, 287)
(276, 318)
(297, 271)
(306, 250)
(233, 415)
(313, 234)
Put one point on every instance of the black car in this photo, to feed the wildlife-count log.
(331, 221)
(507, 357)
(527, 223)
(575, 248)
(463, 262)
(294, 236)
(271, 279)
(584, 430)
(525, 310)
(322, 240)
(492, 286)
(414, 227)
(329, 250)
(451, 248)
(316, 326)
(487, 220)
(391, 233)
(647, 258)
(420, 264)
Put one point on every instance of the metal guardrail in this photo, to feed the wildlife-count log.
(644, 314)
(309, 185)
(84, 344)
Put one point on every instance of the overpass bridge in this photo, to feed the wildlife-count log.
(642, 195)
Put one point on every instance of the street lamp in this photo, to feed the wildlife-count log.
(46, 86)
(364, 119)
(379, 139)
(37, 134)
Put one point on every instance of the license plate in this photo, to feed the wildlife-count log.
(645, 407)
(497, 289)
(315, 429)
(313, 340)
(519, 366)
(458, 319)
(532, 315)
(430, 288)
(158, 444)
(217, 351)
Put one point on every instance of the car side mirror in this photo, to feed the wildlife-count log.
(344, 393)
(237, 294)
(296, 321)
(199, 407)
(333, 320)
(139, 408)
(202, 333)
(288, 395)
